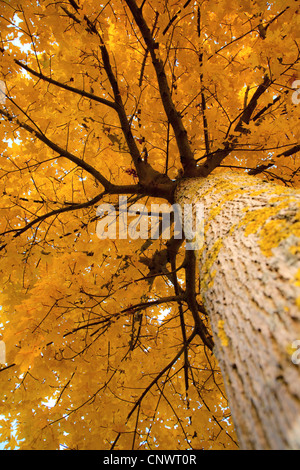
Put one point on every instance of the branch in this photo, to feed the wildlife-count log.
(147, 175)
(62, 152)
(265, 108)
(130, 189)
(258, 28)
(142, 305)
(203, 101)
(260, 169)
(182, 324)
(157, 264)
(174, 117)
(90, 96)
(215, 158)
(7, 367)
(175, 16)
(248, 111)
(164, 190)
(161, 373)
(147, 51)
(263, 167)
(41, 218)
(190, 282)
(289, 152)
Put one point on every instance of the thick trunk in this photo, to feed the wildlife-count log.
(249, 269)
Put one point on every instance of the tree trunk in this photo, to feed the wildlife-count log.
(249, 268)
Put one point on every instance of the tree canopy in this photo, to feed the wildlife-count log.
(108, 344)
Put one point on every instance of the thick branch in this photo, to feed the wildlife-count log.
(147, 175)
(248, 111)
(157, 264)
(163, 300)
(290, 152)
(174, 117)
(164, 189)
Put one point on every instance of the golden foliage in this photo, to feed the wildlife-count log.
(89, 365)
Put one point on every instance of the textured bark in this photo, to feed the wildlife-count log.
(249, 268)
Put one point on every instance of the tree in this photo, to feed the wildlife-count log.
(130, 342)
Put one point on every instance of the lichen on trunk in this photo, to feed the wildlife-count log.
(249, 270)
